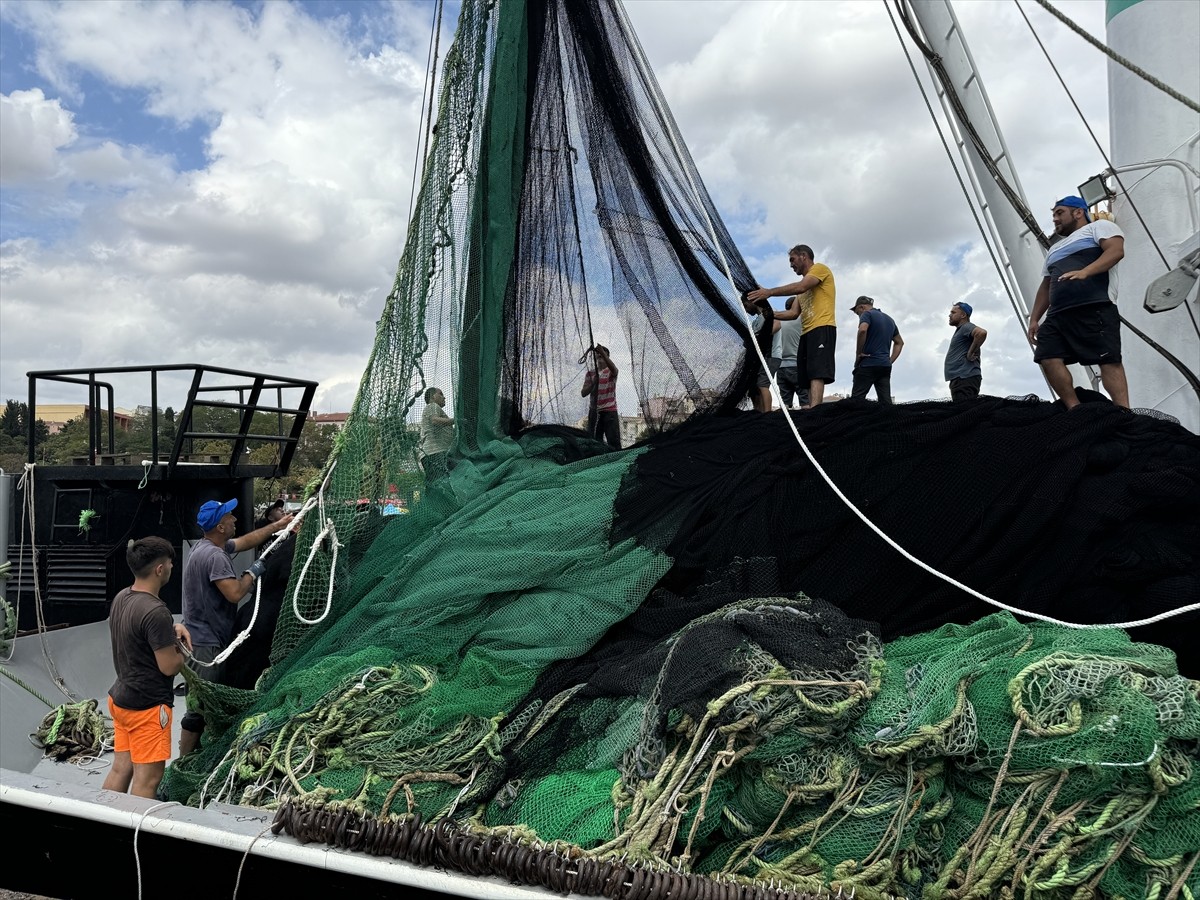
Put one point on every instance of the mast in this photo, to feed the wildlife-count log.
(1019, 248)
(1015, 239)
(1155, 141)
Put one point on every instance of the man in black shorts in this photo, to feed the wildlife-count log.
(1082, 325)
(818, 322)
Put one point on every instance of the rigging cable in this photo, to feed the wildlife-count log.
(958, 175)
(981, 148)
(427, 90)
(1120, 60)
(656, 93)
(1187, 373)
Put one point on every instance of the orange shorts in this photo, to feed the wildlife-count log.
(144, 733)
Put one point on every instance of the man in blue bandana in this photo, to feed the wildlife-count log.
(1082, 324)
(962, 368)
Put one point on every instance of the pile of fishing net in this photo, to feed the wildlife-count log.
(538, 656)
(769, 741)
(687, 667)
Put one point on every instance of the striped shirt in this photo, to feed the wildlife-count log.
(606, 391)
(1076, 251)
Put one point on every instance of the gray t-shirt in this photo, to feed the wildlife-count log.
(789, 341)
(435, 438)
(957, 364)
(208, 616)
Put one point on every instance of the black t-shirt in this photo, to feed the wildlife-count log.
(247, 662)
(139, 624)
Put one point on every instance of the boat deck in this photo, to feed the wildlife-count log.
(80, 840)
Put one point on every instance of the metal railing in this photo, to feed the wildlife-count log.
(250, 388)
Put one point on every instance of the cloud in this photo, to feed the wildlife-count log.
(276, 254)
(275, 246)
(32, 131)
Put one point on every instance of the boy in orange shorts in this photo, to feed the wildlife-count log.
(147, 656)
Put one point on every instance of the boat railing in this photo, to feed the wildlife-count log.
(244, 393)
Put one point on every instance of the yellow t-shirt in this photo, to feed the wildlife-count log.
(818, 308)
(805, 301)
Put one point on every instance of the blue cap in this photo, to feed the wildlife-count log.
(212, 512)
(1075, 203)
(965, 307)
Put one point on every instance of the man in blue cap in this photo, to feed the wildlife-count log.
(212, 591)
(962, 368)
(1082, 324)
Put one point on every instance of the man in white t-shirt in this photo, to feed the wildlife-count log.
(1082, 324)
(437, 435)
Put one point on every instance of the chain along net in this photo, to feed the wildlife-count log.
(688, 656)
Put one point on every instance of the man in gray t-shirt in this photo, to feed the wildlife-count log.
(211, 593)
(962, 357)
(789, 334)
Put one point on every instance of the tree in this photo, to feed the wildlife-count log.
(70, 442)
(12, 420)
(15, 423)
(166, 431)
(315, 445)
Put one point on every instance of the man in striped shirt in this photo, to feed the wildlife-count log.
(602, 381)
(1082, 323)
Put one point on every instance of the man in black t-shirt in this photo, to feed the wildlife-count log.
(147, 656)
(252, 657)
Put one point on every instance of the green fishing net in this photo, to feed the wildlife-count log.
(660, 654)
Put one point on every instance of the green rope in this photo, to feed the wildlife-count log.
(73, 729)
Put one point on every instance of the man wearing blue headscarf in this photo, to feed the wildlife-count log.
(1082, 324)
(962, 368)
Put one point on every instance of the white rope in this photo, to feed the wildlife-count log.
(330, 529)
(669, 122)
(245, 856)
(26, 485)
(280, 537)
(137, 860)
(229, 779)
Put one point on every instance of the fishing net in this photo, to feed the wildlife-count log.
(686, 665)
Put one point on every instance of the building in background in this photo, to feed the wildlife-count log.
(56, 415)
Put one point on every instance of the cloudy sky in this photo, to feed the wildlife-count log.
(229, 183)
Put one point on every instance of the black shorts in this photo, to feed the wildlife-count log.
(1090, 335)
(966, 388)
(763, 379)
(814, 354)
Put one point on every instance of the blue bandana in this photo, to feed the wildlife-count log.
(1074, 203)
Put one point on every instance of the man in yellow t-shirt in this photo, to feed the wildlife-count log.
(818, 323)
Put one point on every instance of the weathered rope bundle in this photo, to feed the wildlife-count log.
(73, 730)
(514, 857)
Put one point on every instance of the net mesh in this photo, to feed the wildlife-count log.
(689, 653)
